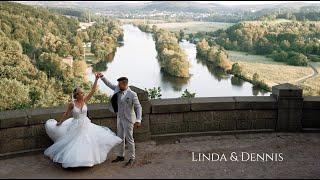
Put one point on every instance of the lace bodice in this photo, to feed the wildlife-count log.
(79, 113)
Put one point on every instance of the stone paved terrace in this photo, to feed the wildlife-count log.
(174, 160)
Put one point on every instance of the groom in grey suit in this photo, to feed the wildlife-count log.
(126, 104)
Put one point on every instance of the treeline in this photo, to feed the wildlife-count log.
(288, 42)
(22, 84)
(81, 15)
(173, 59)
(237, 71)
(305, 13)
(213, 53)
(230, 16)
(33, 43)
(145, 27)
(301, 16)
(104, 37)
(219, 57)
(38, 30)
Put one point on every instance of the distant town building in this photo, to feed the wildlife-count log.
(87, 45)
(84, 25)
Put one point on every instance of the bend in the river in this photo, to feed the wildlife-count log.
(137, 59)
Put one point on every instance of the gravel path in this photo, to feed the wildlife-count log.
(300, 159)
(314, 74)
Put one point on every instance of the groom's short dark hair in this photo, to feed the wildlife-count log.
(122, 79)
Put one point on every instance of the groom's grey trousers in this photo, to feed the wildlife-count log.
(129, 112)
(125, 132)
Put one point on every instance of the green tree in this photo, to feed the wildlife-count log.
(202, 48)
(236, 69)
(297, 59)
(51, 64)
(79, 69)
(7, 45)
(255, 78)
(154, 93)
(187, 94)
(181, 35)
(13, 94)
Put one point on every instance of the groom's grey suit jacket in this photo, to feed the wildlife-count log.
(130, 107)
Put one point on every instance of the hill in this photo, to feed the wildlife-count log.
(33, 43)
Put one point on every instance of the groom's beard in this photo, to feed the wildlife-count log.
(123, 89)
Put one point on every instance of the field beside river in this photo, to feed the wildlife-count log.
(187, 27)
(270, 71)
(193, 26)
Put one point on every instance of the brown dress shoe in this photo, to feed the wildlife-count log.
(130, 163)
(118, 159)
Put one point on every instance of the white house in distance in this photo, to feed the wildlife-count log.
(84, 25)
(87, 45)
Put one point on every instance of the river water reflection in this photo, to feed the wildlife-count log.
(137, 59)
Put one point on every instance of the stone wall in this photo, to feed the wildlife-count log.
(285, 110)
(23, 131)
(311, 112)
(212, 114)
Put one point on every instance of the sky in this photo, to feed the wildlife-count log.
(233, 2)
(252, 2)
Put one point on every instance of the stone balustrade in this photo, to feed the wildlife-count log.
(286, 109)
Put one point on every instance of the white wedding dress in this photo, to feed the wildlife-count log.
(78, 142)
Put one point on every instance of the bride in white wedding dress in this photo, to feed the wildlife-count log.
(77, 141)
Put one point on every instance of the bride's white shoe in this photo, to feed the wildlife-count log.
(78, 142)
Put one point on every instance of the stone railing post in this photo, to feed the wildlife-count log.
(143, 133)
(290, 104)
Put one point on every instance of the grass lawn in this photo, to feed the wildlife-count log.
(271, 72)
(312, 86)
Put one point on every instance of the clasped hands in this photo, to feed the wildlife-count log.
(98, 75)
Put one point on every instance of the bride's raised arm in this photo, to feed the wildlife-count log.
(93, 89)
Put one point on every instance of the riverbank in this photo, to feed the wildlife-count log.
(269, 71)
(264, 72)
(220, 58)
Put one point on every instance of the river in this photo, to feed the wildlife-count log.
(137, 60)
